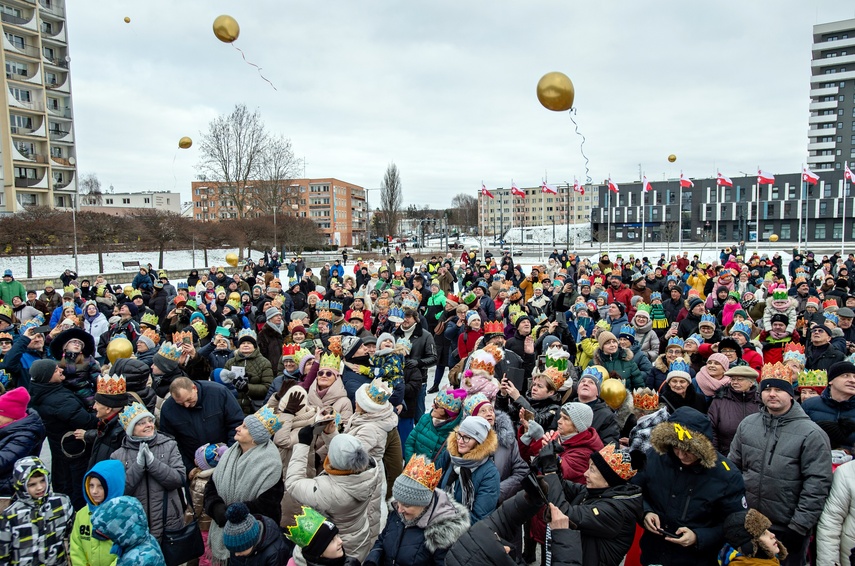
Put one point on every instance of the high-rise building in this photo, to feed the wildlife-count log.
(498, 214)
(38, 163)
(831, 133)
(337, 207)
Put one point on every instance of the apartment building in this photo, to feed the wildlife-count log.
(498, 214)
(119, 204)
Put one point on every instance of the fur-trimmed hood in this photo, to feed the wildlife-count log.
(660, 363)
(624, 354)
(624, 411)
(505, 430)
(444, 523)
(689, 430)
(483, 450)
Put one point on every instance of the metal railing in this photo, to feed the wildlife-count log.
(57, 134)
(26, 182)
(16, 20)
(56, 10)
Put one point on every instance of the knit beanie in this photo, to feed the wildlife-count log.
(618, 465)
(693, 302)
(580, 414)
(604, 337)
(242, 531)
(476, 427)
(347, 454)
(208, 455)
(133, 414)
(349, 346)
(42, 370)
(836, 370)
(13, 404)
(471, 405)
(742, 530)
(382, 338)
(271, 312)
(373, 397)
(262, 424)
(721, 359)
(416, 483)
(146, 340)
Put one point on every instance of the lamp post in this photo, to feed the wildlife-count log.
(368, 214)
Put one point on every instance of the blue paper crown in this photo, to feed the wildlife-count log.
(405, 343)
(396, 312)
(675, 341)
(268, 419)
(679, 365)
(336, 306)
(627, 330)
(740, 327)
(410, 304)
(378, 391)
(655, 295)
(708, 318)
(347, 330)
(832, 317)
(592, 371)
(697, 338)
(168, 350)
(247, 332)
(323, 306)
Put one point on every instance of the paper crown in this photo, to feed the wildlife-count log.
(301, 354)
(288, 350)
(485, 359)
(595, 372)
(645, 399)
(707, 319)
(234, 303)
(742, 328)
(832, 317)
(417, 296)
(423, 471)
(201, 329)
(780, 294)
(334, 345)
(378, 391)
(776, 371)
(396, 314)
(178, 337)
(557, 358)
(554, 376)
(323, 305)
(5, 336)
(493, 328)
(829, 304)
(305, 527)
(675, 341)
(330, 361)
(325, 315)
(6, 310)
(450, 298)
(696, 338)
(347, 330)
(131, 412)
(410, 304)
(680, 366)
(795, 352)
(469, 298)
(170, 351)
(644, 307)
(336, 306)
(150, 319)
(619, 461)
(152, 335)
(404, 343)
(813, 378)
(627, 330)
(295, 324)
(268, 419)
(514, 294)
(537, 285)
(112, 385)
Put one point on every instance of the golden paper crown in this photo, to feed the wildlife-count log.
(619, 461)
(178, 337)
(112, 385)
(483, 360)
(645, 399)
(330, 361)
(776, 371)
(201, 329)
(294, 324)
(555, 376)
(813, 378)
(325, 315)
(152, 334)
(423, 471)
(334, 345)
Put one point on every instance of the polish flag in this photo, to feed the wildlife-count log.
(515, 191)
(485, 192)
(548, 189)
(847, 173)
(613, 186)
(685, 182)
(645, 184)
(578, 188)
(723, 181)
(764, 178)
(809, 176)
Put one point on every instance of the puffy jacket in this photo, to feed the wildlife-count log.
(835, 534)
(727, 410)
(149, 484)
(646, 339)
(786, 462)
(61, 411)
(123, 521)
(622, 363)
(485, 478)
(427, 439)
(137, 374)
(84, 548)
(606, 519)
(270, 344)
(18, 439)
(824, 408)
(425, 543)
(423, 351)
(259, 376)
(18, 360)
(97, 326)
(823, 358)
(660, 372)
(512, 468)
(350, 500)
(546, 411)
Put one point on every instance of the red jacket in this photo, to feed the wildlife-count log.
(622, 295)
(774, 352)
(466, 347)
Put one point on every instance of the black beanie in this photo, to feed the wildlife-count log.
(42, 371)
(322, 539)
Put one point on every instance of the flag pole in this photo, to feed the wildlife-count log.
(542, 219)
(643, 199)
(801, 185)
(716, 214)
(807, 215)
(513, 214)
(680, 211)
(609, 211)
(845, 194)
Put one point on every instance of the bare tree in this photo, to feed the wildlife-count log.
(391, 198)
(464, 211)
(159, 229)
(277, 169)
(231, 154)
(670, 231)
(90, 189)
(99, 230)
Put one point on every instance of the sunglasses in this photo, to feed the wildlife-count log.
(326, 373)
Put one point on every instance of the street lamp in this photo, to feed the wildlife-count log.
(368, 214)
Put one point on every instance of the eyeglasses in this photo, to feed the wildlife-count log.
(727, 351)
(326, 373)
(463, 437)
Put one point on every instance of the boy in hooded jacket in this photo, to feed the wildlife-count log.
(122, 520)
(34, 528)
(105, 481)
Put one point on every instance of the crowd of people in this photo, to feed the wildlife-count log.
(452, 410)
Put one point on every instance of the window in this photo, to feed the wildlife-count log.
(837, 231)
(25, 173)
(775, 193)
(47, 27)
(11, 11)
(56, 151)
(785, 232)
(15, 40)
(147, 200)
(51, 78)
(819, 231)
(109, 201)
(20, 94)
(14, 68)
(27, 199)
(823, 208)
(49, 53)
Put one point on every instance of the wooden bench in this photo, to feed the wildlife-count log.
(134, 264)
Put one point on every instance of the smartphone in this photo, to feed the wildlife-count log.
(41, 329)
(528, 415)
(675, 325)
(517, 377)
(669, 534)
(186, 340)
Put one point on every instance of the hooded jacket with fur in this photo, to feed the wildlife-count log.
(485, 478)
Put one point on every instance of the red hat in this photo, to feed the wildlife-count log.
(14, 404)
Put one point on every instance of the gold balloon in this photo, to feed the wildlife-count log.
(613, 392)
(773, 238)
(232, 259)
(555, 91)
(226, 28)
(672, 158)
(118, 349)
(185, 143)
(127, 20)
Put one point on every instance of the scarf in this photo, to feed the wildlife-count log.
(708, 384)
(461, 471)
(660, 320)
(277, 327)
(242, 477)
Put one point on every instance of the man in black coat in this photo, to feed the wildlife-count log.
(197, 413)
(820, 353)
(110, 398)
(422, 356)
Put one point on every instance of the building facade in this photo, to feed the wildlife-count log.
(498, 214)
(37, 141)
(337, 207)
(119, 204)
(713, 213)
(831, 134)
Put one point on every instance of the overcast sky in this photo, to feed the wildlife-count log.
(446, 89)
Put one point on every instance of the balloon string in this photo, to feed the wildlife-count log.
(254, 65)
(582, 147)
(174, 178)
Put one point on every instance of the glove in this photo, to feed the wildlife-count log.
(241, 383)
(306, 434)
(535, 489)
(227, 376)
(534, 432)
(145, 455)
(218, 513)
(548, 459)
(294, 403)
(411, 364)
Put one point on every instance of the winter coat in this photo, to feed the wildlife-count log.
(32, 532)
(270, 344)
(824, 408)
(835, 534)
(485, 478)
(646, 340)
(698, 497)
(13, 288)
(786, 462)
(350, 500)
(84, 548)
(645, 366)
(727, 410)
(660, 372)
(427, 541)
(605, 422)
(371, 429)
(61, 411)
(97, 326)
(18, 360)
(423, 351)
(484, 543)
(622, 363)
(108, 439)
(259, 376)
(123, 521)
(214, 419)
(335, 397)
(353, 378)
(605, 518)
(822, 358)
(545, 410)
(512, 468)
(271, 550)
(149, 484)
(427, 439)
(18, 439)
(137, 375)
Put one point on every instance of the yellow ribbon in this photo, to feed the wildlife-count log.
(682, 433)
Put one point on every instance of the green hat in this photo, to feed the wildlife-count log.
(312, 532)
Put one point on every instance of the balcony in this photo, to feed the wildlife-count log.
(816, 106)
(60, 112)
(822, 132)
(52, 8)
(15, 20)
(58, 35)
(56, 62)
(817, 146)
(22, 182)
(58, 85)
(836, 44)
(824, 91)
(822, 119)
(19, 76)
(57, 134)
(833, 77)
(20, 49)
(36, 106)
(832, 61)
(61, 161)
